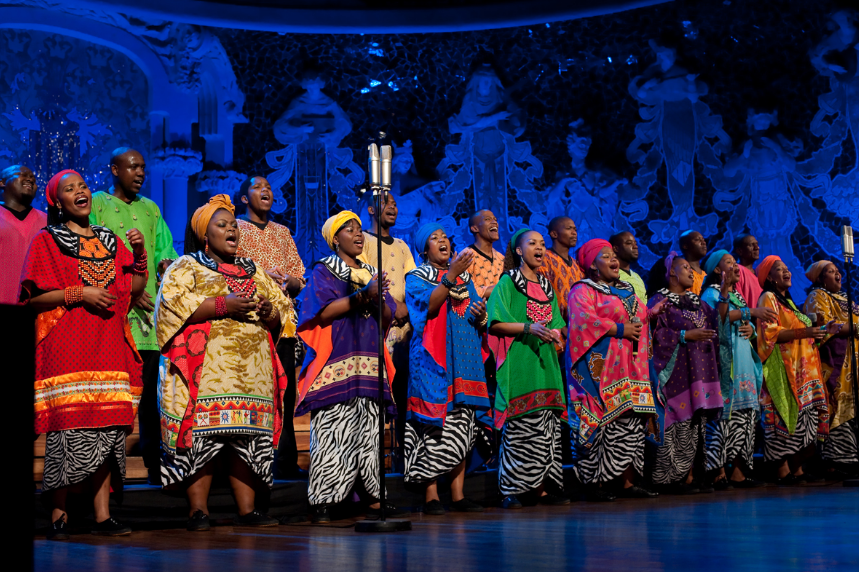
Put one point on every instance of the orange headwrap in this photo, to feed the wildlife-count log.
(204, 214)
(590, 250)
(53, 186)
(764, 268)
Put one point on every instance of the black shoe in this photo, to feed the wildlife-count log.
(319, 514)
(256, 519)
(807, 478)
(391, 511)
(747, 483)
(511, 503)
(111, 527)
(59, 529)
(788, 480)
(198, 522)
(723, 485)
(554, 500)
(434, 508)
(636, 492)
(466, 505)
(599, 495)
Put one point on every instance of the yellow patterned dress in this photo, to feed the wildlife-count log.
(221, 383)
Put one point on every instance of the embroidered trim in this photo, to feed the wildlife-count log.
(69, 242)
(521, 284)
(630, 303)
(340, 269)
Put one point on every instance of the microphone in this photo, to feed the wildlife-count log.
(387, 154)
(847, 241)
(374, 165)
(635, 348)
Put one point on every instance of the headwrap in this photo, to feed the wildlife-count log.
(202, 216)
(814, 271)
(764, 268)
(52, 189)
(424, 233)
(515, 238)
(669, 262)
(333, 225)
(589, 251)
(714, 259)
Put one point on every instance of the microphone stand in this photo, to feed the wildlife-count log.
(380, 187)
(848, 262)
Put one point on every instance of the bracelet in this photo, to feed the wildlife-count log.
(746, 314)
(723, 299)
(273, 313)
(527, 328)
(220, 306)
(683, 337)
(447, 283)
(73, 295)
(619, 333)
(484, 321)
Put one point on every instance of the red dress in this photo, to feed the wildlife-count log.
(88, 372)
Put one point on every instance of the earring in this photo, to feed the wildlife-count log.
(336, 247)
(207, 245)
(60, 213)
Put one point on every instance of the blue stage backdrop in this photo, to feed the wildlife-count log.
(725, 117)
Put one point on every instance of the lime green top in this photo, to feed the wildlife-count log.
(144, 215)
(633, 279)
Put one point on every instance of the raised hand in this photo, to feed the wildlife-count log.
(460, 264)
(478, 309)
(136, 241)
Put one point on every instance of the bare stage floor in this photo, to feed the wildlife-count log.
(799, 529)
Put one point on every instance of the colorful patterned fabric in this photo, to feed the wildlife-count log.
(698, 281)
(486, 269)
(529, 377)
(88, 372)
(604, 378)
(688, 373)
(271, 247)
(749, 287)
(835, 365)
(740, 368)
(447, 366)
(15, 238)
(398, 262)
(562, 275)
(792, 375)
(220, 377)
(633, 279)
(342, 358)
(144, 215)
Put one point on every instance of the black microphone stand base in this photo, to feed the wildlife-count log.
(393, 525)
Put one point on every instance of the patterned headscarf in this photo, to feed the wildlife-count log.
(52, 189)
(763, 270)
(203, 215)
(333, 225)
(815, 270)
(589, 252)
(714, 259)
(424, 233)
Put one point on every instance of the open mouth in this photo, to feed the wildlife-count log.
(359, 243)
(493, 229)
(232, 240)
(443, 249)
(538, 256)
(138, 182)
(27, 185)
(265, 197)
(81, 201)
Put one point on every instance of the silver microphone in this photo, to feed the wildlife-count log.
(387, 154)
(847, 241)
(636, 320)
(374, 165)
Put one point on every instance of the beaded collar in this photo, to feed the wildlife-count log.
(630, 303)
(431, 274)
(69, 242)
(688, 300)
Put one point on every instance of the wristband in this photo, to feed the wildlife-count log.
(140, 265)
(220, 307)
(746, 314)
(73, 295)
(447, 283)
(527, 328)
(723, 299)
(619, 333)
(822, 328)
(683, 337)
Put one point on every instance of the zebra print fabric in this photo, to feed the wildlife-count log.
(531, 453)
(726, 440)
(840, 446)
(675, 456)
(344, 447)
(617, 445)
(432, 451)
(777, 446)
(73, 455)
(257, 451)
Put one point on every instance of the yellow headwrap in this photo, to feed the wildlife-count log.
(335, 223)
(204, 214)
(814, 271)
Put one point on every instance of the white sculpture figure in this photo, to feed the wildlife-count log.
(677, 125)
(768, 199)
(488, 158)
(312, 128)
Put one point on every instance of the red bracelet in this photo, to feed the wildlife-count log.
(74, 295)
(220, 307)
(141, 265)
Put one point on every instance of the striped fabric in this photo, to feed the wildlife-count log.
(840, 446)
(777, 446)
(531, 453)
(74, 454)
(256, 451)
(730, 440)
(432, 451)
(675, 456)
(616, 446)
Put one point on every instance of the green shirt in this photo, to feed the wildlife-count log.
(144, 215)
(637, 283)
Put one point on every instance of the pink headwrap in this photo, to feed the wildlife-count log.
(669, 262)
(589, 251)
(52, 189)
(763, 270)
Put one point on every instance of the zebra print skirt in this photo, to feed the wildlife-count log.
(531, 453)
(433, 451)
(778, 446)
(74, 454)
(840, 446)
(257, 451)
(616, 446)
(728, 439)
(675, 456)
(344, 448)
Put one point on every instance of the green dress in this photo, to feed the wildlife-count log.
(144, 215)
(529, 375)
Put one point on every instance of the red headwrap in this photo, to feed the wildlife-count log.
(589, 251)
(51, 190)
(764, 268)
